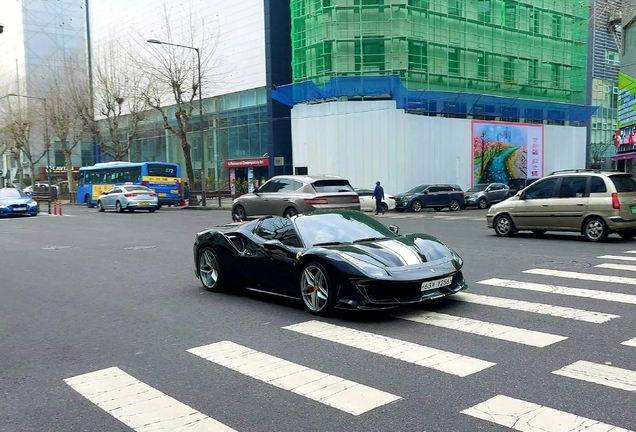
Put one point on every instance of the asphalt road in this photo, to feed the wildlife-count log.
(89, 292)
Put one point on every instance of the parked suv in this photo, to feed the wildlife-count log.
(436, 196)
(294, 194)
(483, 195)
(592, 202)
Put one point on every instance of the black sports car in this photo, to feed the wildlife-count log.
(336, 258)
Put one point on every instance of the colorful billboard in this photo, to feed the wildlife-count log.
(505, 151)
(626, 100)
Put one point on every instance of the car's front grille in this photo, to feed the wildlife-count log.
(15, 206)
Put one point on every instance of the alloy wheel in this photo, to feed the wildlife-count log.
(454, 205)
(209, 269)
(239, 214)
(595, 230)
(482, 203)
(416, 206)
(314, 288)
(503, 226)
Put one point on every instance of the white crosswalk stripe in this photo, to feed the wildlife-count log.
(140, 406)
(525, 416)
(539, 308)
(631, 342)
(606, 375)
(451, 363)
(328, 389)
(555, 289)
(612, 266)
(482, 328)
(617, 257)
(583, 276)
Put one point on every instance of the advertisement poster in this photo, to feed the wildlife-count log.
(626, 101)
(250, 178)
(232, 180)
(506, 151)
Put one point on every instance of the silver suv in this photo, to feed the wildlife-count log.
(593, 202)
(294, 194)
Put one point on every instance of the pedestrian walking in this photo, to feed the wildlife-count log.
(378, 194)
(186, 194)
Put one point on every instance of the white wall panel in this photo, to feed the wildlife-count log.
(372, 140)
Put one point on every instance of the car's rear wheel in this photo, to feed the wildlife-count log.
(482, 203)
(453, 205)
(239, 213)
(384, 207)
(595, 229)
(118, 207)
(504, 226)
(627, 234)
(209, 269)
(87, 200)
(315, 289)
(100, 207)
(416, 206)
(289, 212)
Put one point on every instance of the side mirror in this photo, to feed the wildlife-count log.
(425, 192)
(394, 229)
(273, 245)
(521, 195)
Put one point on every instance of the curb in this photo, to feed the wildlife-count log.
(208, 208)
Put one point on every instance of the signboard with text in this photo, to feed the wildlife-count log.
(626, 100)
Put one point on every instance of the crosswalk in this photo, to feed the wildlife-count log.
(144, 408)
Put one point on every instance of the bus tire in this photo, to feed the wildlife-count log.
(87, 200)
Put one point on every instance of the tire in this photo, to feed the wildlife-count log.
(439, 209)
(87, 200)
(151, 210)
(595, 229)
(416, 206)
(209, 269)
(504, 226)
(453, 205)
(159, 207)
(289, 212)
(384, 207)
(132, 210)
(100, 207)
(482, 203)
(239, 213)
(538, 232)
(118, 207)
(314, 273)
(627, 234)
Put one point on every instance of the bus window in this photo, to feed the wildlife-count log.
(162, 170)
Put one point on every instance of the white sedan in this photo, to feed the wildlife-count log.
(367, 202)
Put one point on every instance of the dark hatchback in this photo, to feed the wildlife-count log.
(436, 196)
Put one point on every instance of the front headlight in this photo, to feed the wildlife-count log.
(365, 267)
(4, 206)
(32, 203)
(408, 197)
(457, 258)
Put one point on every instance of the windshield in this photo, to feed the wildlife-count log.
(11, 193)
(624, 183)
(478, 188)
(339, 228)
(419, 188)
(322, 186)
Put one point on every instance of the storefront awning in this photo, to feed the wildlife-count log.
(623, 156)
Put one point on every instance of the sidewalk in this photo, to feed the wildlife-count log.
(212, 204)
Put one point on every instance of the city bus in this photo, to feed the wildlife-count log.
(163, 178)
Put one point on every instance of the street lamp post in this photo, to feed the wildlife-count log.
(202, 144)
(46, 138)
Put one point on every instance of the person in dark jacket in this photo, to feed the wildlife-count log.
(378, 194)
(186, 194)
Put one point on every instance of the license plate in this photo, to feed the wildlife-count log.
(174, 192)
(633, 209)
(439, 283)
(163, 194)
(19, 209)
(144, 203)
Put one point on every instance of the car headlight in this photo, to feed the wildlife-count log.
(365, 267)
(408, 197)
(32, 203)
(457, 258)
(4, 205)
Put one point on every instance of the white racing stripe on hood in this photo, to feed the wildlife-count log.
(407, 255)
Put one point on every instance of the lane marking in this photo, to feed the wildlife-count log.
(539, 308)
(525, 416)
(582, 276)
(139, 406)
(609, 376)
(631, 342)
(328, 389)
(482, 328)
(612, 266)
(617, 257)
(555, 289)
(443, 361)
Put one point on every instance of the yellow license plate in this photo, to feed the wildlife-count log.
(174, 192)
(162, 194)
(144, 203)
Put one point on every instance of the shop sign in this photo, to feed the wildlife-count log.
(246, 163)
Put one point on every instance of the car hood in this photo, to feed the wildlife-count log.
(474, 194)
(18, 200)
(407, 251)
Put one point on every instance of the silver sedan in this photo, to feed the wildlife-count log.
(128, 197)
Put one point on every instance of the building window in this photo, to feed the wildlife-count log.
(612, 57)
(482, 67)
(371, 56)
(453, 61)
(535, 20)
(418, 56)
(556, 76)
(510, 14)
(533, 71)
(60, 160)
(509, 70)
(455, 7)
(423, 4)
(557, 26)
(323, 58)
(483, 9)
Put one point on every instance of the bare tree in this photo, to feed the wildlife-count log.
(172, 74)
(598, 152)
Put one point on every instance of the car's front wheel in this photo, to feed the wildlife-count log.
(118, 207)
(504, 226)
(209, 269)
(316, 290)
(100, 207)
(416, 206)
(482, 203)
(239, 214)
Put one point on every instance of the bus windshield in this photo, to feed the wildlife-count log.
(162, 170)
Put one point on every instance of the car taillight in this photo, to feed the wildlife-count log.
(355, 199)
(130, 194)
(153, 194)
(316, 201)
(461, 193)
(616, 204)
(391, 197)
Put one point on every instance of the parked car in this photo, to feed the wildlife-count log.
(29, 189)
(128, 197)
(328, 259)
(14, 202)
(484, 195)
(293, 194)
(367, 202)
(592, 202)
(436, 196)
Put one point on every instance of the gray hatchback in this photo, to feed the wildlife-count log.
(294, 194)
